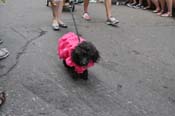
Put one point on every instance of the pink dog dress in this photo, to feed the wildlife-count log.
(66, 44)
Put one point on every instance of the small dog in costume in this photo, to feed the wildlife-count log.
(77, 55)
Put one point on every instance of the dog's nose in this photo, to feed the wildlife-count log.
(84, 62)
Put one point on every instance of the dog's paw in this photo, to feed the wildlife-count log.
(84, 76)
(64, 62)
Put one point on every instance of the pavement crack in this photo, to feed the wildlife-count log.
(23, 50)
(13, 29)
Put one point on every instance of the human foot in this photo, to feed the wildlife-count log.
(86, 16)
(166, 14)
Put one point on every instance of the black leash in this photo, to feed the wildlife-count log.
(75, 25)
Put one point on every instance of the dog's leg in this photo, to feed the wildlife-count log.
(84, 76)
(64, 62)
(71, 71)
(75, 75)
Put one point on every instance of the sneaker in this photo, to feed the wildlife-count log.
(131, 5)
(112, 21)
(3, 53)
(139, 6)
(86, 16)
(2, 98)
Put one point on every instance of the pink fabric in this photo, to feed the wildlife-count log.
(66, 44)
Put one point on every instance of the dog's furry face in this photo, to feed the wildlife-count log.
(85, 52)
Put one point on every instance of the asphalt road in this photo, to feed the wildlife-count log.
(135, 76)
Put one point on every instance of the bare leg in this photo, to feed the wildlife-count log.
(162, 5)
(148, 5)
(55, 15)
(85, 14)
(140, 1)
(170, 5)
(86, 4)
(135, 1)
(156, 3)
(108, 8)
(110, 20)
(54, 10)
(60, 9)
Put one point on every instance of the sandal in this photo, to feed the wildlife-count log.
(160, 13)
(86, 16)
(2, 98)
(166, 15)
(3, 53)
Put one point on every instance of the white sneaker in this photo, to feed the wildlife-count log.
(3, 53)
(112, 21)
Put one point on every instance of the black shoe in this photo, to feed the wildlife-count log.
(63, 25)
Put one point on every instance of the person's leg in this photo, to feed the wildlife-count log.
(60, 10)
(132, 3)
(108, 8)
(85, 14)
(140, 1)
(54, 6)
(170, 5)
(162, 5)
(110, 20)
(86, 4)
(139, 5)
(148, 5)
(156, 3)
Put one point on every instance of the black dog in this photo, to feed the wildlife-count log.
(81, 57)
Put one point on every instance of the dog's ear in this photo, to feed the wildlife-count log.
(95, 56)
(75, 54)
